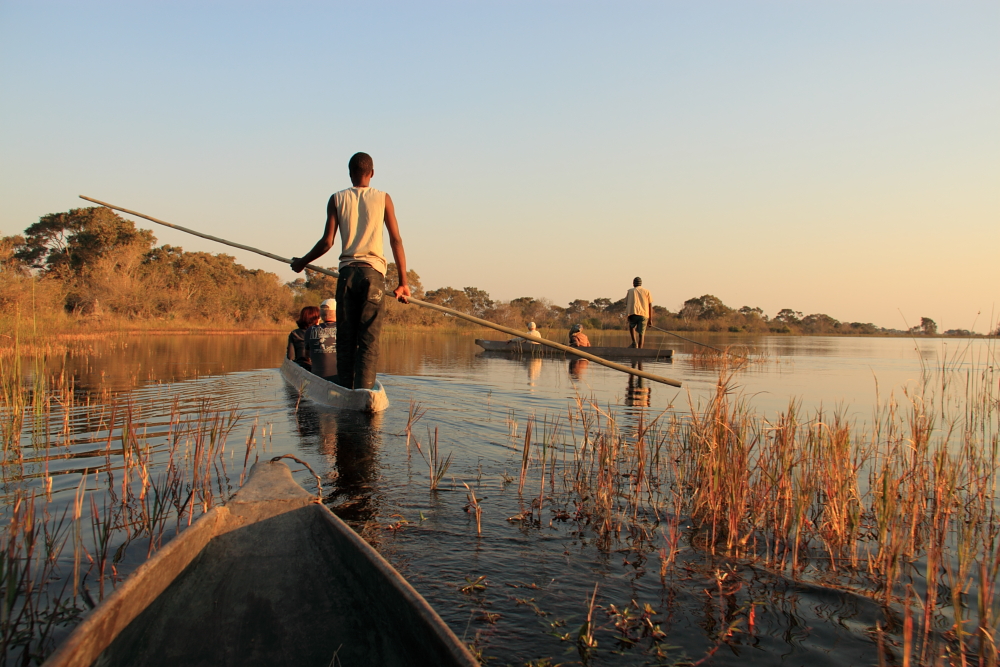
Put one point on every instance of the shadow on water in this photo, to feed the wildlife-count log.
(350, 442)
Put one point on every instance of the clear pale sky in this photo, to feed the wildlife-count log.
(835, 157)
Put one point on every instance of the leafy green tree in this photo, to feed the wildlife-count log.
(450, 298)
(707, 307)
(480, 301)
(617, 308)
(862, 328)
(788, 316)
(819, 323)
(928, 326)
(528, 309)
(392, 279)
(66, 243)
(9, 262)
(321, 283)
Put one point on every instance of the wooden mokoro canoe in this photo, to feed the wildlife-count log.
(326, 393)
(605, 352)
(270, 578)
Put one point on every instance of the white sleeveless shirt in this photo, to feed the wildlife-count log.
(361, 212)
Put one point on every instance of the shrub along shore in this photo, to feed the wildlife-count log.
(91, 270)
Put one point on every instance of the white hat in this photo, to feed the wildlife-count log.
(531, 325)
(329, 304)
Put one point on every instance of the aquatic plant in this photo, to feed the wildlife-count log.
(904, 511)
(128, 478)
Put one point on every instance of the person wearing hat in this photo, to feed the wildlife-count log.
(577, 338)
(532, 332)
(639, 308)
(321, 341)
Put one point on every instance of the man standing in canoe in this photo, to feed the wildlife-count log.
(639, 308)
(359, 213)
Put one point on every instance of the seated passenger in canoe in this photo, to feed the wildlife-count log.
(577, 338)
(297, 339)
(532, 332)
(321, 341)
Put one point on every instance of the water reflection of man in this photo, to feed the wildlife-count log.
(637, 394)
(350, 443)
(534, 370)
(577, 368)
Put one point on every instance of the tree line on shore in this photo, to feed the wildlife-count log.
(92, 264)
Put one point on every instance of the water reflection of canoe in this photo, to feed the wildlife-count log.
(271, 578)
(605, 352)
(333, 395)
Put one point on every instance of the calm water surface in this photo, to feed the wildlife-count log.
(538, 579)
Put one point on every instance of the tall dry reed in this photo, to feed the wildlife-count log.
(133, 482)
(903, 509)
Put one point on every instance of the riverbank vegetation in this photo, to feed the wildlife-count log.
(90, 268)
(92, 486)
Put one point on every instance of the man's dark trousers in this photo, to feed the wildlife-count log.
(359, 322)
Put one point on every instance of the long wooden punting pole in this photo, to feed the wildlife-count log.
(687, 339)
(433, 306)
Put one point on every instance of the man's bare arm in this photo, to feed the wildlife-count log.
(324, 244)
(396, 243)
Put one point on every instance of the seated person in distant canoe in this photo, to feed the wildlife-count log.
(532, 332)
(297, 339)
(321, 341)
(577, 338)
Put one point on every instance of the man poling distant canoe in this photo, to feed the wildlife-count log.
(639, 308)
(359, 213)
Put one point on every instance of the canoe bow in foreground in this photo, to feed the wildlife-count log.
(270, 578)
(333, 395)
(603, 352)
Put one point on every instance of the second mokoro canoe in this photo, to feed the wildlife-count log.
(270, 578)
(604, 352)
(333, 395)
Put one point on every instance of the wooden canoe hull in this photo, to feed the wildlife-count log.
(332, 395)
(271, 578)
(603, 352)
